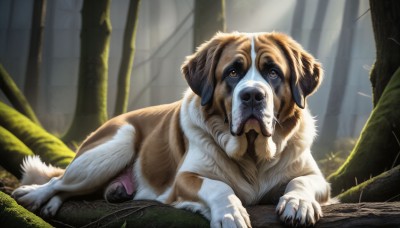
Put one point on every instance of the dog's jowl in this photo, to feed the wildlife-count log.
(241, 131)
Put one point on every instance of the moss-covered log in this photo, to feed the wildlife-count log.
(13, 215)
(378, 147)
(153, 214)
(382, 188)
(133, 214)
(51, 149)
(91, 103)
(12, 152)
(15, 96)
(338, 215)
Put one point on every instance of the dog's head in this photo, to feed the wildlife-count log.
(252, 80)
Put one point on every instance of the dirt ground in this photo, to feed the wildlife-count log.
(8, 182)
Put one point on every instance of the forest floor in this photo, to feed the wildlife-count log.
(8, 182)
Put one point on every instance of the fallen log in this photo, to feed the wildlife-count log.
(338, 215)
(152, 214)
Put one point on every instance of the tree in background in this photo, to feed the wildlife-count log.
(32, 75)
(386, 24)
(209, 18)
(340, 76)
(128, 52)
(91, 106)
(378, 148)
(15, 96)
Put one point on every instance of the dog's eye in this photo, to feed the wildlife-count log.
(233, 74)
(272, 74)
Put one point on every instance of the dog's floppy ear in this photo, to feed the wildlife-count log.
(199, 68)
(306, 72)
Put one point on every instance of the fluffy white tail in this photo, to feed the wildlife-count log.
(34, 171)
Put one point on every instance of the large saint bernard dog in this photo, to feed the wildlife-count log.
(241, 135)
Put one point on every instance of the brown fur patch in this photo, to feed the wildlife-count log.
(186, 187)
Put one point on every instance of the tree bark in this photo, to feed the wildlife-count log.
(128, 53)
(209, 18)
(385, 22)
(15, 96)
(91, 106)
(152, 214)
(50, 148)
(12, 152)
(31, 88)
(337, 215)
(14, 215)
(377, 149)
(382, 188)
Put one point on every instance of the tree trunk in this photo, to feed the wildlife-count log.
(91, 105)
(50, 148)
(209, 18)
(386, 24)
(14, 215)
(14, 95)
(382, 188)
(340, 77)
(128, 53)
(377, 149)
(31, 88)
(12, 152)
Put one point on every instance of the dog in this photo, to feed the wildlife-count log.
(240, 136)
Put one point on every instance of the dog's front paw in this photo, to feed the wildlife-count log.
(232, 214)
(298, 211)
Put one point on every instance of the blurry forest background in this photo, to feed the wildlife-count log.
(337, 32)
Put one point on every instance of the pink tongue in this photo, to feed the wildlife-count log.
(127, 180)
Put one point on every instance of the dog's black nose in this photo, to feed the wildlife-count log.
(252, 96)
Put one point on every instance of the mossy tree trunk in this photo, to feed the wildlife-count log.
(209, 18)
(15, 96)
(32, 75)
(91, 105)
(382, 188)
(378, 147)
(128, 53)
(386, 24)
(50, 148)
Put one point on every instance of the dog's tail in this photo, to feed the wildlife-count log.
(34, 171)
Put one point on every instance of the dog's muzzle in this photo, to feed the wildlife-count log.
(253, 112)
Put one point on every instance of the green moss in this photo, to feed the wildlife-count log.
(13, 215)
(377, 147)
(12, 152)
(382, 188)
(50, 148)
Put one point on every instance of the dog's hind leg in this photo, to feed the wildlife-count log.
(87, 173)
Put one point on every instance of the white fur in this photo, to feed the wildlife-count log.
(34, 171)
(230, 178)
(85, 174)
